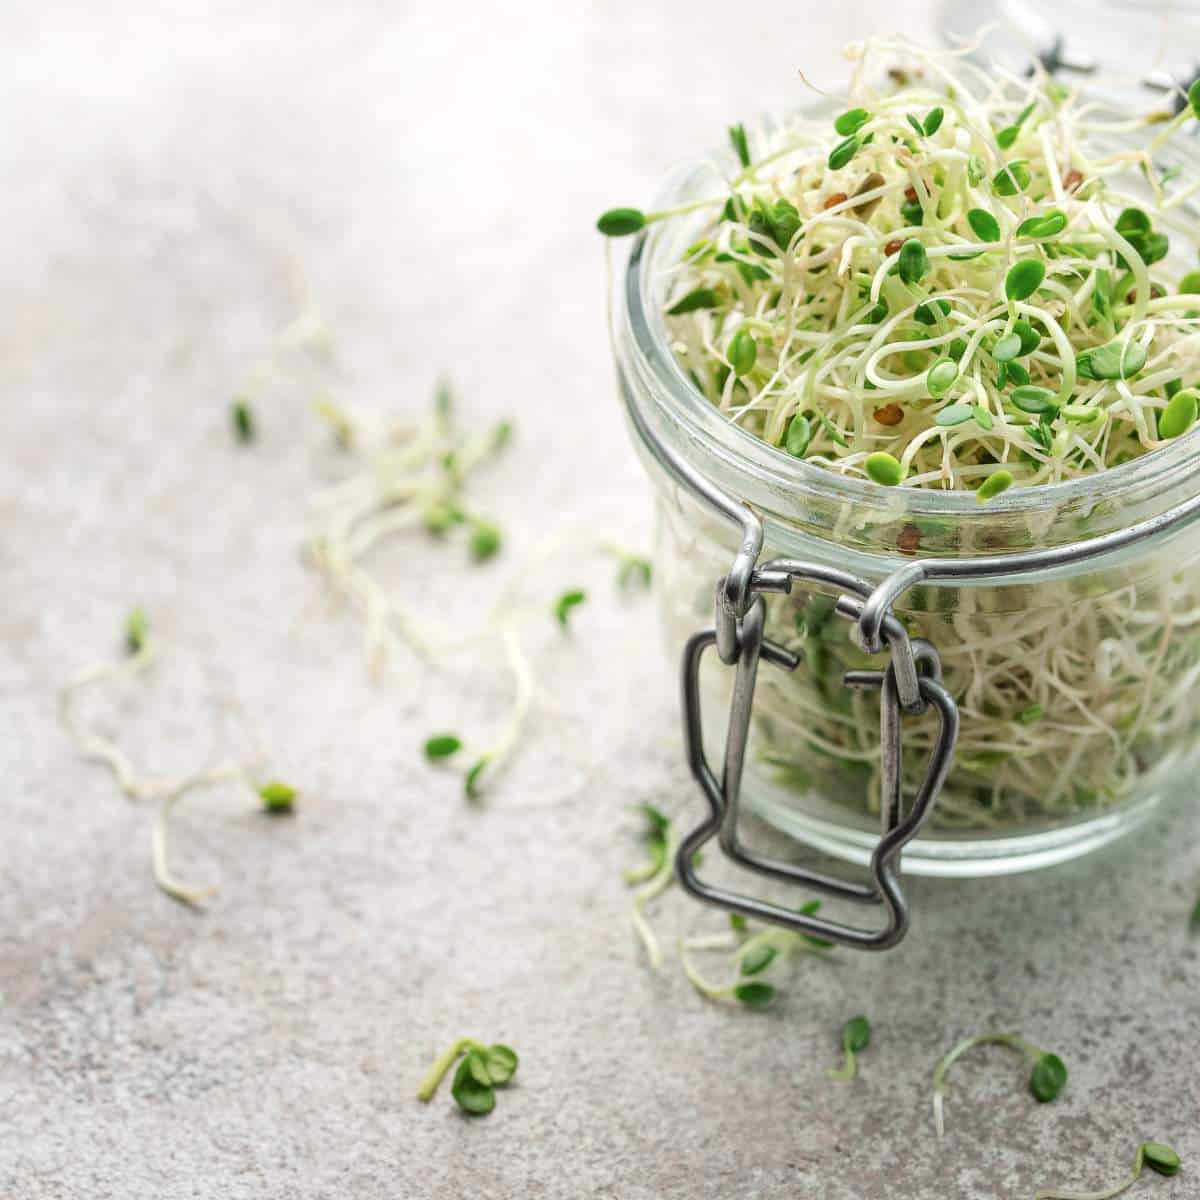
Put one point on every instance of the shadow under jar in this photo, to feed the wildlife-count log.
(1076, 683)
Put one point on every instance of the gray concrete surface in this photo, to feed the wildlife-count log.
(433, 172)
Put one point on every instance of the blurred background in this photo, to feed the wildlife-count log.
(182, 184)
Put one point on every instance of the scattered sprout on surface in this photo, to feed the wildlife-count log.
(856, 1037)
(137, 630)
(1155, 1155)
(750, 954)
(566, 604)
(278, 798)
(442, 745)
(652, 877)
(481, 1070)
(1047, 1076)
(242, 415)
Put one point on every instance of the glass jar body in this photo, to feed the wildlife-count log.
(1077, 698)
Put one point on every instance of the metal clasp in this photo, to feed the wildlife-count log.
(724, 795)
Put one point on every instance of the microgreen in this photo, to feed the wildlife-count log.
(481, 1069)
(737, 139)
(1030, 714)
(1179, 415)
(933, 121)
(993, 485)
(277, 797)
(566, 603)
(1047, 1078)
(1033, 399)
(1045, 225)
(442, 745)
(913, 263)
(1024, 278)
(633, 570)
(984, 225)
(798, 436)
(696, 299)
(1012, 179)
(1007, 348)
(743, 351)
(485, 541)
(620, 222)
(136, 630)
(1158, 1157)
(882, 468)
(941, 377)
(755, 995)
(851, 122)
(653, 876)
(954, 414)
(242, 417)
(843, 152)
(474, 777)
(1116, 360)
(856, 1037)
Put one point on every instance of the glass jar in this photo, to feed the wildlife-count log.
(1076, 681)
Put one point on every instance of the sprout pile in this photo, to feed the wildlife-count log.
(965, 281)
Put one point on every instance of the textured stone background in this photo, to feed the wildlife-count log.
(171, 179)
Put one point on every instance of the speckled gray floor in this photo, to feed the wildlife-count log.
(433, 174)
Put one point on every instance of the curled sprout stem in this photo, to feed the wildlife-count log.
(1161, 1158)
(1015, 1041)
(133, 783)
(442, 1064)
(654, 886)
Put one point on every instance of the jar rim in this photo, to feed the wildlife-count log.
(1132, 484)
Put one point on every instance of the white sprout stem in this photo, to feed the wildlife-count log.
(658, 883)
(939, 1075)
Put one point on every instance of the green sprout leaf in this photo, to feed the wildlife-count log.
(1194, 98)
(442, 745)
(136, 630)
(475, 1098)
(696, 299)
(632, 570)
(929, 312)
(1034, 399)
(993, 485)
(277, 797)
(1030, 714)
(1045, 225)
(842, 153)
(985, 227)
(1179, 415)
(758, 959)
(243, 421)
(942, 377)
(754, 995)
(471, 783)
(1007, 348)
(737, 139)
(1048, 1078)
(485, 541)
(933, 121)
(1012, 179)
(798, 436)
(1024, 278)
(743, 352)
(1158, 1157)
(913, 263)
(565, 603)
(954, 414)
(856, 1037)
(1116, 360)
(851, 121)
(884, 469)
(620, 222)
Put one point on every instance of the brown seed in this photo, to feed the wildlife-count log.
(1156, 293)
(910, 194)
(866, 207)
(836, 198)
(1071, 180)
(910, 539)
(898, 75)
(889, 414)
(893, 247)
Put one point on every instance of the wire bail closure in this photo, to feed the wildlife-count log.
(724, 795)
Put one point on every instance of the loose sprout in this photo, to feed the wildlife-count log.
(481, 1070)
(1159, 1158)
(242, 415)
(1047, 1076)
(138, 785)
(856, 1037)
